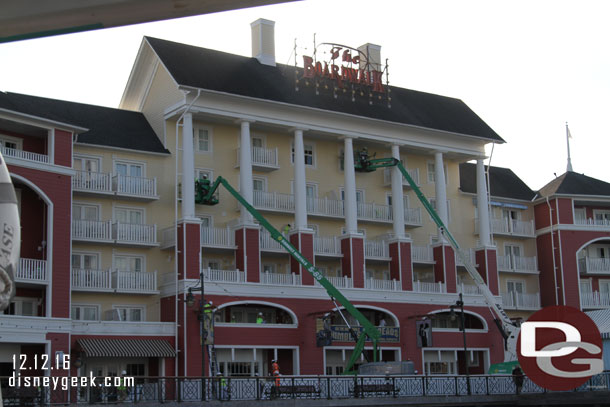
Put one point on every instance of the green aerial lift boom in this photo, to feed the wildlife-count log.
(205, 194)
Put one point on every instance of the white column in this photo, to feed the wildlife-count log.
(398, 211)
(440, 188)
(482, 205)
(300, 191)
(51, 146)
(351, 208)
(245, 170)
(188, 168)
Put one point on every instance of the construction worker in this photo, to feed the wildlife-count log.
(260, 319)
(208, 308)
(275, 371)
(122, 388)
(286, 229)
(222, 387)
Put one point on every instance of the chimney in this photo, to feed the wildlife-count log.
(372, 53)
(263, 41)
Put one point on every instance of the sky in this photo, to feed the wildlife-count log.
(525, 67)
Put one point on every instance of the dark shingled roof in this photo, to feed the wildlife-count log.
(219, 71)
(107, 126)
(572, 183)
(503, 183)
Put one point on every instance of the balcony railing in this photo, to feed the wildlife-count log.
(265, 158)
(594, 299)
(228, 276)
(413, 173)
(91, 280)
(374, 212)
(503, 226)
(268, 243)
(93, 230)
(275, 201)
(383, 285)
(428, 287)
(118, 184)
(413, 216)
(24, 155)
(31, 270)
(598, 223)
(467, 254)
(516, 300)
(326, 245)
(280, 278)
(134, 281)
(217, 237)
(517, 264)
(594, 265)
(422, 254)
(131, 233)
(468, 289)
(376, 249)
(339, 282)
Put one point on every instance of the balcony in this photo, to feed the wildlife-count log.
(428, 287)
(518, 264)
(280, 278)
(117, 232)
(593, 265)
(224, 276)
(268, 244)
(594, 299)
(24, 155)
(32, 271)
(468, 255)
(382, 285)
(339, 282)
(413, 173)
(594, 224)
(327, 246)
(376, 250)
(514, 228)
(518, 301)
(134, 282)
(219, 238)
(124, 186)
(422, 254)
(468, 289)
(263, 159)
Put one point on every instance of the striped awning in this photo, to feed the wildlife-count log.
(123, 348)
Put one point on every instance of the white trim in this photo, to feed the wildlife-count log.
(270, 304)
(116, 206)
(79, 156)
(455, 350)
(295, 356)
(210, 130)
(116, 254)
(128, 162)
(98, 308)
(129, 150)
(51, 146)
(479, 316)
(363, 306)
(56, 169)
(18, 141)
(313, 155)
(141, 307)
(41, 122)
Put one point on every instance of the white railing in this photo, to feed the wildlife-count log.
(468, 289)
(339, 282)
(168, 237)
(326, 245)
(428, 287)
(375, 212)
(229, 276)
(592, 222)
(517, 264)
(384, 285)
(32, 270)
(594, 299)
(413, 216)
(24, 155)
(268, 243)
(91, 230)
(92, 181)
(468, 254)
(135, 233)
(273, 200)
(94, 280)
(325, 206)
(136, 186)
(134, 281)
(516, 300)
(413, 173)
(512, 227)
(223, 237)
(280, 278)
(375, 248)
(422, 254)
(266, 157)
(594, 265)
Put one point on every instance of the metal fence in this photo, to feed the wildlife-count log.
(183, 389)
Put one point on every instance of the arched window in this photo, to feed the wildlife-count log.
(255, 313)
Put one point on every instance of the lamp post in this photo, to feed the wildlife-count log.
(460, 304)
(190, 301)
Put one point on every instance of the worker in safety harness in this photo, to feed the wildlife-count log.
(275, 371)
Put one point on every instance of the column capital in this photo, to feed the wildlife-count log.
(244, 120)
(298, 128)
(345, 137)
(400, 239)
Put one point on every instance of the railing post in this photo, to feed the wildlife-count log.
(487, 384)
(423, 385)
(328, 389)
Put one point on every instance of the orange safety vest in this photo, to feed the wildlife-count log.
(275, 368)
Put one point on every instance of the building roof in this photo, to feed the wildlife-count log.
(106, 126)
(503, 183)
(572, 183)
(219, 71)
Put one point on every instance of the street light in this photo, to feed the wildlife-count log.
(190, 301)
(460, 304)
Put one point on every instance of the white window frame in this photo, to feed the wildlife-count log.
(522, 282)
(129, 208)
(83, 204)
(16, 140)
(206, 216)
(82, 306)
(431, 174)
(580, 210)
(98, 255)
(603, 281)
(262, 137)
(210, 131)
(204, 171)
(264, 180)
(358, 191)
(405, 200)
(19, 301)
(306, 143)
(519, 246)
(604, 212)
(83, 157)
(142, 258)
(116, 161)
(433, 203)
(130, 307)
